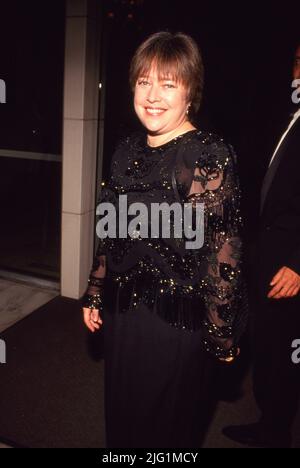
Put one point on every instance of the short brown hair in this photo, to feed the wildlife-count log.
(173, 54)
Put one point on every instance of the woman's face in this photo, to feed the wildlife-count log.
(160, 104)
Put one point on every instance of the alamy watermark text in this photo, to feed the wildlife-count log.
(2, 352)
(187, 221)
(2, 92)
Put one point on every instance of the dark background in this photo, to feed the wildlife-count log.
(32, 60)
(247, 50)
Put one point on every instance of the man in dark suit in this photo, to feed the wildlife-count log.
(276, 378)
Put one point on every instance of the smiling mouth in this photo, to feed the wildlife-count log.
(154, 110)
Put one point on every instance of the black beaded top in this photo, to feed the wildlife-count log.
(189, 288)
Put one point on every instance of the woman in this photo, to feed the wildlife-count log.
(167, 311)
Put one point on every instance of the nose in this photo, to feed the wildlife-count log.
(154, 93)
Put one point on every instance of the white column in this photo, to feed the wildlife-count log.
(81, 88)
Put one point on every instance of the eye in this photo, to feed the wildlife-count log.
(168, 85)
(143, 82)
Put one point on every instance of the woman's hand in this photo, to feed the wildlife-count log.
(92, 319)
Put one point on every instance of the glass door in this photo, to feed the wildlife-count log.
(31, 136)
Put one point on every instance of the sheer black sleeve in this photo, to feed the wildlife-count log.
(93, 297)
(215, 184)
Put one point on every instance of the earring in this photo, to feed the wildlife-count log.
(188, 109)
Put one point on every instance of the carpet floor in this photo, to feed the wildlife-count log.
(51, 388)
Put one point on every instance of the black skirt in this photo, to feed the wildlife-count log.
(158, 380)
